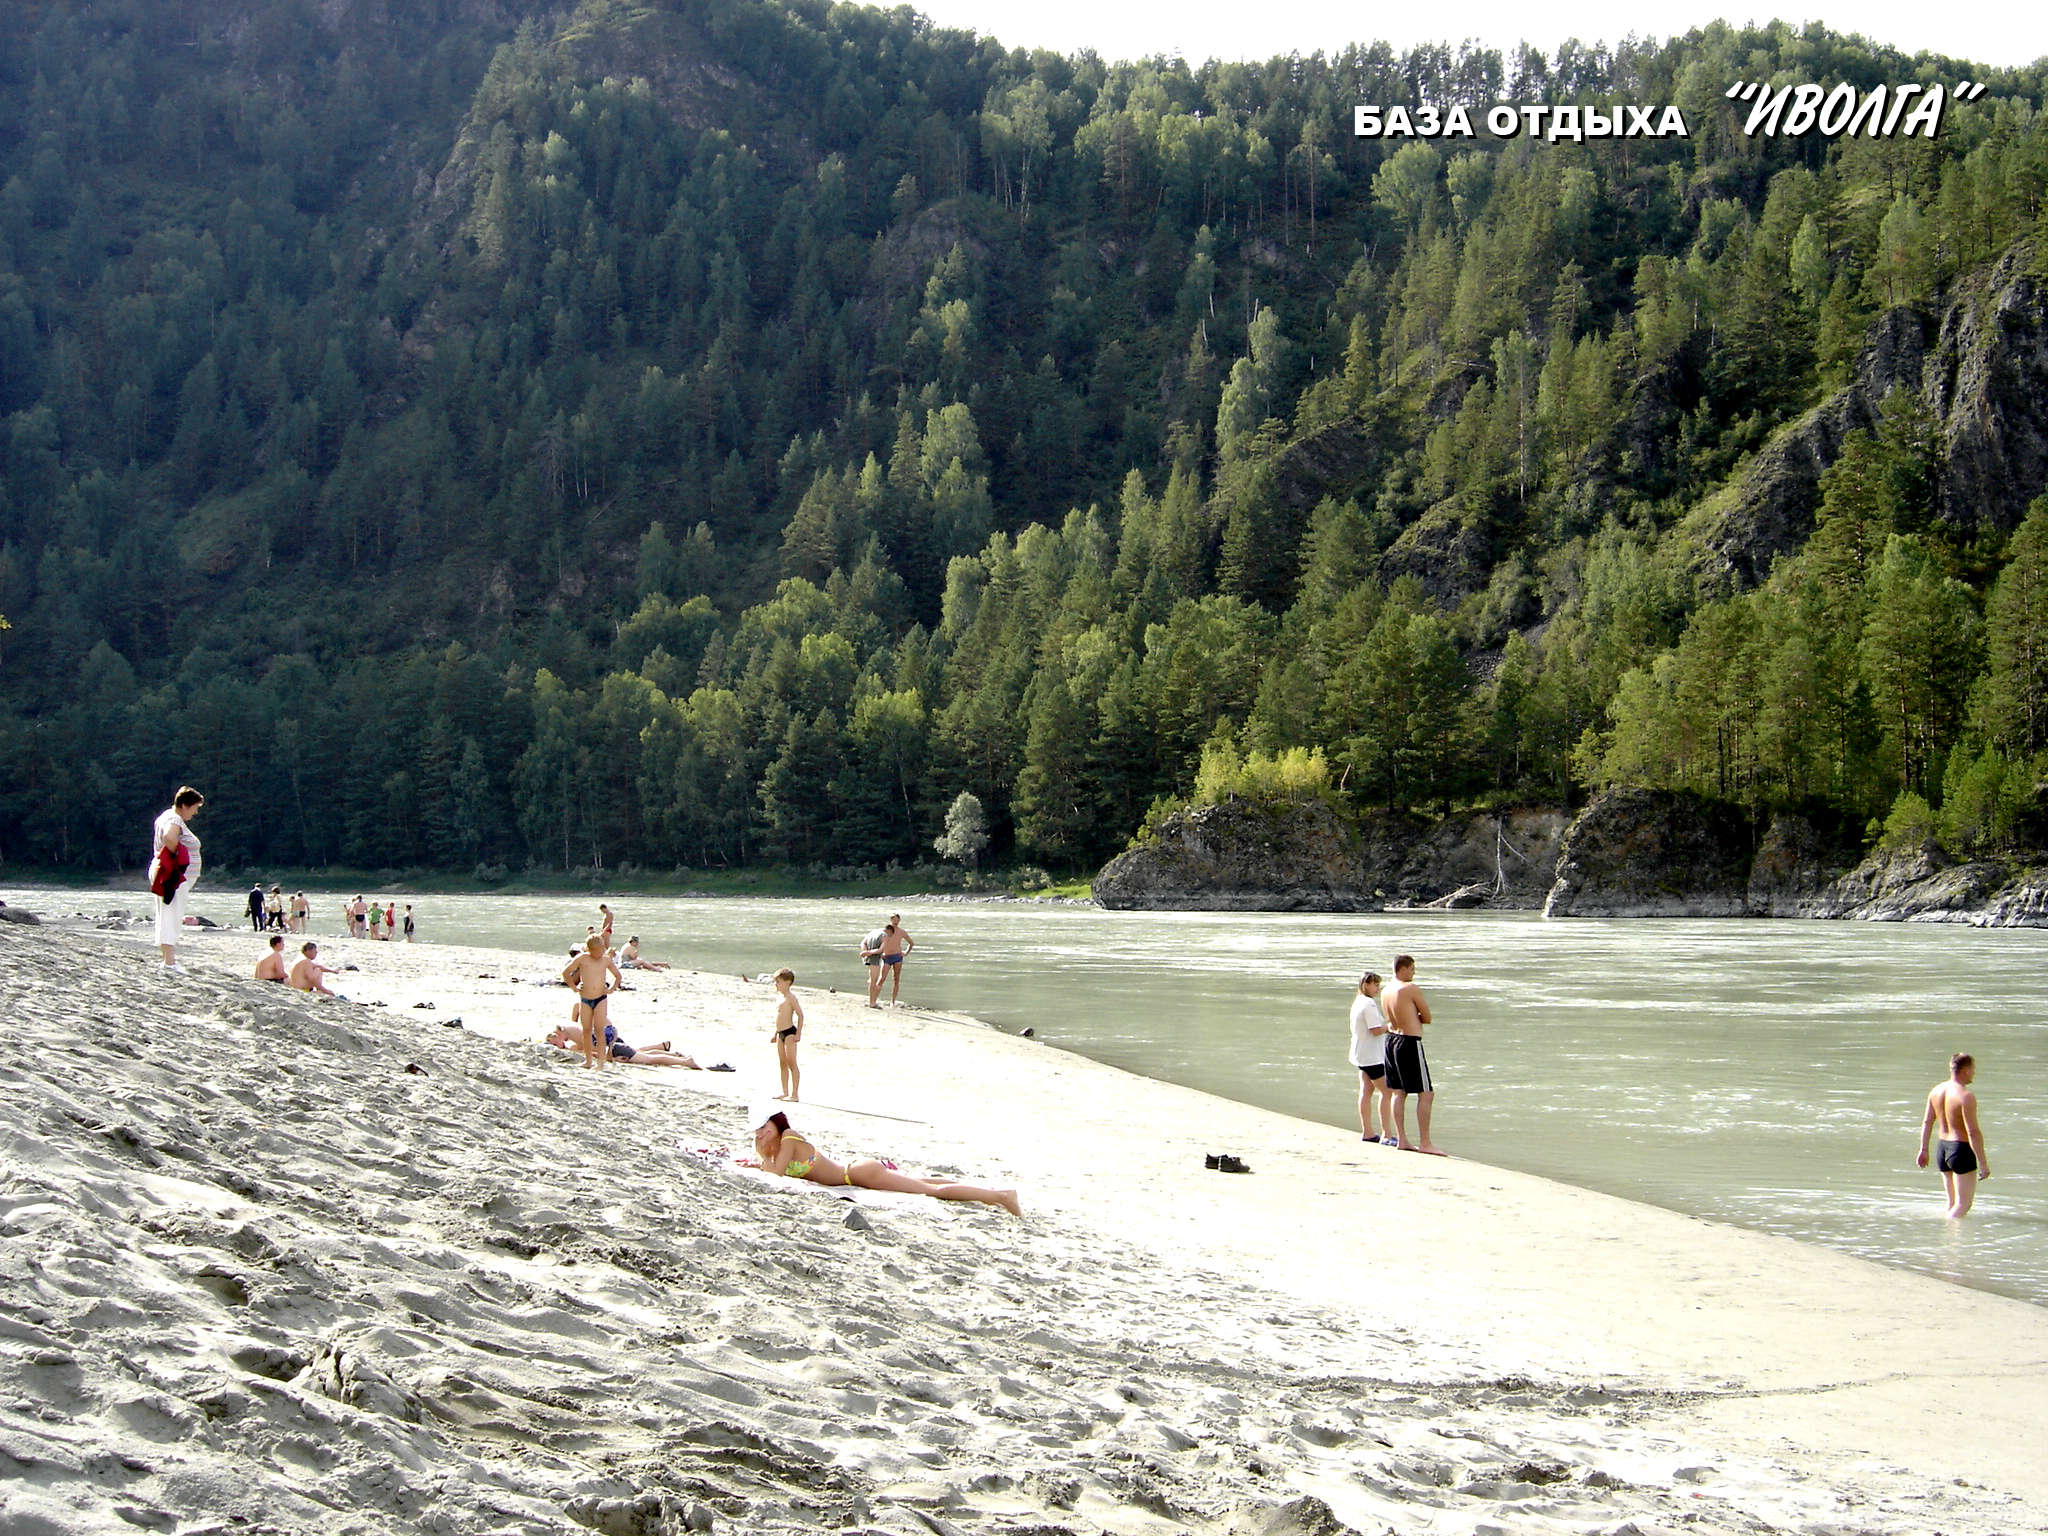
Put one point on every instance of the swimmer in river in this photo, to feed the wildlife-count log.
(1952, 1119)
(788, 1031)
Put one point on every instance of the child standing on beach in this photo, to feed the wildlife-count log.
(789, 1029)
(594, 977)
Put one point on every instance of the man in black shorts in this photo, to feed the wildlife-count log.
(1407, 1012)
(1952, 1118)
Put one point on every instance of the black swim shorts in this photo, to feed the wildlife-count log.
(1954, 1157)
(1376, 1071)
(622, 1051)
(1407, 1067)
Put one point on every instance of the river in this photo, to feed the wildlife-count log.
(1764, 1073)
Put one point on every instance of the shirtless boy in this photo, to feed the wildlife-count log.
(271, 966)
(1952, 1117)
(592, 976)
(1407, 1010)
(789, 1029)
(309, 975)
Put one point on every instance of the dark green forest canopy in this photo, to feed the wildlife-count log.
(712, 431)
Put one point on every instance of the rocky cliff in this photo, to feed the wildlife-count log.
(1631, 853)
(1980, 371)
(1645, 853)
(1653, 853)
(1242, 857)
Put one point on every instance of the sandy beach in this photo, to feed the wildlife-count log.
(262, 1275)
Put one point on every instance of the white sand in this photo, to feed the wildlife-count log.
(258, 1277)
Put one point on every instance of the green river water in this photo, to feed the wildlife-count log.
(1764, 1073)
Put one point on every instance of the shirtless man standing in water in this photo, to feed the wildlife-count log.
(1952, 1116)
(592, 976)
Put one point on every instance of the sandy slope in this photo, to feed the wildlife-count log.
(260, 1277)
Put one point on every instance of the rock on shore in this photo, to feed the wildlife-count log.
(1630, 853)
(1653, 853)
(1243, 857)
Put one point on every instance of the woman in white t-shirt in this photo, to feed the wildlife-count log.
(174, 836)
(1369, 1055)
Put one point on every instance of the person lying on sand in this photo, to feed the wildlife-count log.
(271, 966)
(783, 1151)
(567, 1039)
(308, 974)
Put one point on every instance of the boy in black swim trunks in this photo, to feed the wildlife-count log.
(593, 978)
(1952, 1110)
(789, 1029)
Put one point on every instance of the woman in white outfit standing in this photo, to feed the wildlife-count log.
(174, 836)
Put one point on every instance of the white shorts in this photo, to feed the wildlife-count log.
(170, 916)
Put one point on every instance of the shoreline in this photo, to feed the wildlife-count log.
(1894, 1242)
(1759, 1344)
(1588, 1173)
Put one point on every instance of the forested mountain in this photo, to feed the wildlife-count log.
(715, 431)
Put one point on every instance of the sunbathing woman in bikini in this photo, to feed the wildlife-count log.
(784, 1151)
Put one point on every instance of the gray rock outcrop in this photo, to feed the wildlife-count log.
(1654, 853)
(1794, 866)
(1925, 885)
(1631, 853)
(1241, 857)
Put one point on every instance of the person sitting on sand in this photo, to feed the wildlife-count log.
(271, 966)
(629, 957)
(593, 977)
(309, 975)
(565, 1038)
(783, 1151)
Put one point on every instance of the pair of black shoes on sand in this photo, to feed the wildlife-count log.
(1225, 1163)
